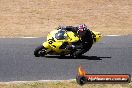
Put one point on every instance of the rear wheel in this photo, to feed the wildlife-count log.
(40, 51)
(76, 54)
(86, 46)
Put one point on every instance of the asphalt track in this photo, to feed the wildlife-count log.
(17, 62)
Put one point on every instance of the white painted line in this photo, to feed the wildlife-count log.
(28, 37)
(112, 35)
(38, 81)
(20, 37)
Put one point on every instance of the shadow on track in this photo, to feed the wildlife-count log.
(82, 57)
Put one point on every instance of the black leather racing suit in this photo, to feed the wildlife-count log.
(86, 39)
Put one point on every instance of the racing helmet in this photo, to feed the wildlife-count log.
(82, 27)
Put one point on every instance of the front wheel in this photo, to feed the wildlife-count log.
(40, 51)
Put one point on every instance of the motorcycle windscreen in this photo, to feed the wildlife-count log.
(60, 35)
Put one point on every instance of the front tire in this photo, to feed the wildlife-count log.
(39, 51)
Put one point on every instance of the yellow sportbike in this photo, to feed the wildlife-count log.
(58, 40)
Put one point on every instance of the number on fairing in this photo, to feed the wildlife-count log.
(51, 41)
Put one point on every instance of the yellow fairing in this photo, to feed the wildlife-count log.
(72, 37)
(52, 44)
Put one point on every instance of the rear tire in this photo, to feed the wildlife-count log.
(76, 54)
(73, 55)
(39, 51)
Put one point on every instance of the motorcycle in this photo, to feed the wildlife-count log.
(58, 40)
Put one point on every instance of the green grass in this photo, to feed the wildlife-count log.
(63, 84)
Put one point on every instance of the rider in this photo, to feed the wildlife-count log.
(85, 37)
